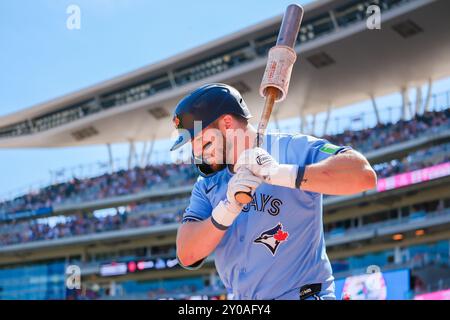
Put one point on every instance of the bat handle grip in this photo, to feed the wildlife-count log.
(243, 197)
(246, 197)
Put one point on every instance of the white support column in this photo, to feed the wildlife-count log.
(112, 288)
(83, 256)
(403, 115)
(327, 120)
(143, 154)
(428, 99)
(410, 108)
(418, 100)
(375, 109)
(111, 161)
(447, 95)
(150, 151)
(334, 20)
(136, 156)
(130, 154)
(172, 79)
(212, 279)
(302, 122)
(301, 113)
(405, 102)
(313, 125)
(397, 255)
(277, 123)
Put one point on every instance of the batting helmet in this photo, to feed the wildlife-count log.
(206, 104)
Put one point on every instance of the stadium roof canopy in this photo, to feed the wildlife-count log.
(340, 62)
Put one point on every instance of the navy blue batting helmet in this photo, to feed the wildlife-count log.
(206, 104)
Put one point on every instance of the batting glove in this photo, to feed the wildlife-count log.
(227, 210)
(263, 165)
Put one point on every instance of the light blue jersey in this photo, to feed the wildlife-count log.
(276, 245)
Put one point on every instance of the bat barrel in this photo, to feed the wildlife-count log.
(290, 26)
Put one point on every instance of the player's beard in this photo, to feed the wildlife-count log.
(219, 165)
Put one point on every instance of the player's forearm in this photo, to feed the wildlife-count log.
(197, 240)
(343, 174)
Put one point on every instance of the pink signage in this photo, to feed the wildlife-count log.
(438, 295)
(417, 176)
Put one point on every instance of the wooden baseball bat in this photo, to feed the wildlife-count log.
(287, 37)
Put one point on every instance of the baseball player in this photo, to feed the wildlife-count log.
(272, 247)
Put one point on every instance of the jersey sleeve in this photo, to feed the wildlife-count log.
(199, 207)
(305, 150)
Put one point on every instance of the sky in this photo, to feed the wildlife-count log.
(41, 59)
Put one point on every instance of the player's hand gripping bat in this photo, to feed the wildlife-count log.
(275, 82)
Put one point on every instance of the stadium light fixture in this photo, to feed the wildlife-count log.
(420, 232)
(397, 237)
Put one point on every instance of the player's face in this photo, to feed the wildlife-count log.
(210, 146)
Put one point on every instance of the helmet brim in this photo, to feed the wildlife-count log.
(183, 138)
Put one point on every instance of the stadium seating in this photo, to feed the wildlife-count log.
(170, 175)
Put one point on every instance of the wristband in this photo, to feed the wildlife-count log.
(285, 176)
(223, 215)
(218, 225)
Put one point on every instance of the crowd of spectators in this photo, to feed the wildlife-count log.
(108, 185)
(171, 175)
(83, 223)
(150, 213)
(417, 160)
(383, 135)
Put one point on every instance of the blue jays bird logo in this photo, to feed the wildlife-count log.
(273, 237)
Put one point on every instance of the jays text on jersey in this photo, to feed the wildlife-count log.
(276, 245)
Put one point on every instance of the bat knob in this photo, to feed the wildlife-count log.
(243, 197)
